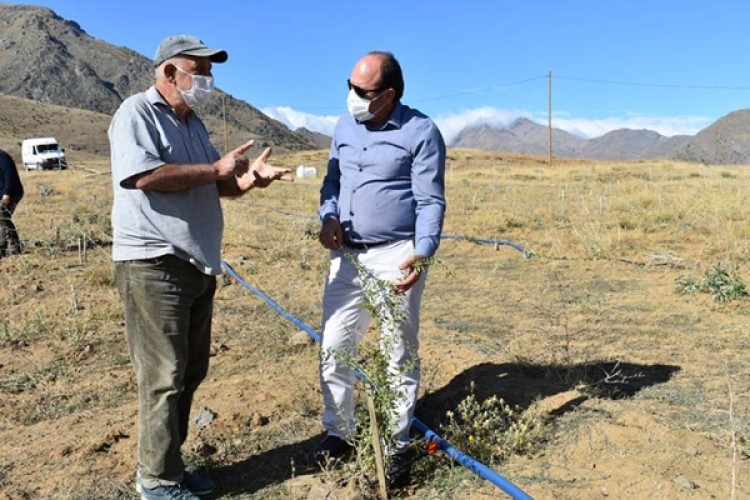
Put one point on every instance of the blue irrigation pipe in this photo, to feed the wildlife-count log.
(485, 241)
(268, 300)
(470, 463)
(481, 241)
(462, 458)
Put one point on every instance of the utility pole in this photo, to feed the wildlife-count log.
(224, 115)
(549, 115)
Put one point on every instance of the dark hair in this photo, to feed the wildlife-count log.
(392, 77)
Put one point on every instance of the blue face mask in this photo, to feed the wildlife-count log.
(200, 91)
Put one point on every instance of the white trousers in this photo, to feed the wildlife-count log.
(345, 323)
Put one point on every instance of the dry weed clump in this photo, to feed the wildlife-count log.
(492, 430)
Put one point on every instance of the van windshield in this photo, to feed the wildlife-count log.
(46, 148)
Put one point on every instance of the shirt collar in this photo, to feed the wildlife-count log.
(395, 120)
(154, 97)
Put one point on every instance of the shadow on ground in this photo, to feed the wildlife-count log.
(263, 470)
(520, 384)
(517, 383)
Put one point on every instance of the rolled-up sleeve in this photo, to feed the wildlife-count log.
(134, 139)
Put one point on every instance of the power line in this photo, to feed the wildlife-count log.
(659, 85)
(485, 89)
(448, 96)
(569, 78)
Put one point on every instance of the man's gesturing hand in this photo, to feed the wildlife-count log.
(260, 174)
(233, 163)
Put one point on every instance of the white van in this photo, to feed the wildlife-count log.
(42, 153)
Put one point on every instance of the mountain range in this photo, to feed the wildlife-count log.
(48, 59)
(57, 80)
(526, 136)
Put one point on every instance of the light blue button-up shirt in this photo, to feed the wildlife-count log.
(387, 183)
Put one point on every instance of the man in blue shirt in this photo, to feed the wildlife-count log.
(11, 192)
(383, 203)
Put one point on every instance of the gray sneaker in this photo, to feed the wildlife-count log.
(171, 492)
(195, 484)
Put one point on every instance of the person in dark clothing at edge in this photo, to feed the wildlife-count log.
(12, 192)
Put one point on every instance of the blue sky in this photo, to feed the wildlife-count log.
(670, 66)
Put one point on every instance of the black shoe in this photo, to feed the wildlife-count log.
(399, 470)
(329, 448)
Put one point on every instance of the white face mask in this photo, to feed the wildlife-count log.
(200, 91)
(359, 107)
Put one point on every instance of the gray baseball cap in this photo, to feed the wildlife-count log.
(187, 45)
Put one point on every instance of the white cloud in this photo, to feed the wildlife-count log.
(295, 119)
(451, 124)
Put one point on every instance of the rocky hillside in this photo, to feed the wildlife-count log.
(522, 136)
(725, 142)
(82, 133)
(321, 140)
(48, 59)
(626, 144)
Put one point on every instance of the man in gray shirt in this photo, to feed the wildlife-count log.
(168, 224)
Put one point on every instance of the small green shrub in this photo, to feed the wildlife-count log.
(723, 285)
(688, 284)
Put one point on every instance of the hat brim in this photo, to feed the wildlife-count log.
(217, 56)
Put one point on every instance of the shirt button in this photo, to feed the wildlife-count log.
(351, 213)
(365, 148)
(360, 169)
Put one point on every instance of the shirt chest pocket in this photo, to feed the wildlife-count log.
(397, 163)
(378, 160)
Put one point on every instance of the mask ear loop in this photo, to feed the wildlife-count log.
(192, 81)
(375, 99)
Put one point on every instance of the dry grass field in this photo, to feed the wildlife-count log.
(643, 389)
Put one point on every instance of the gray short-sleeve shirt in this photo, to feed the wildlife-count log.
(145, 134)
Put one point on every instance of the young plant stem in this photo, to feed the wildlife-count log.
(376, 443)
